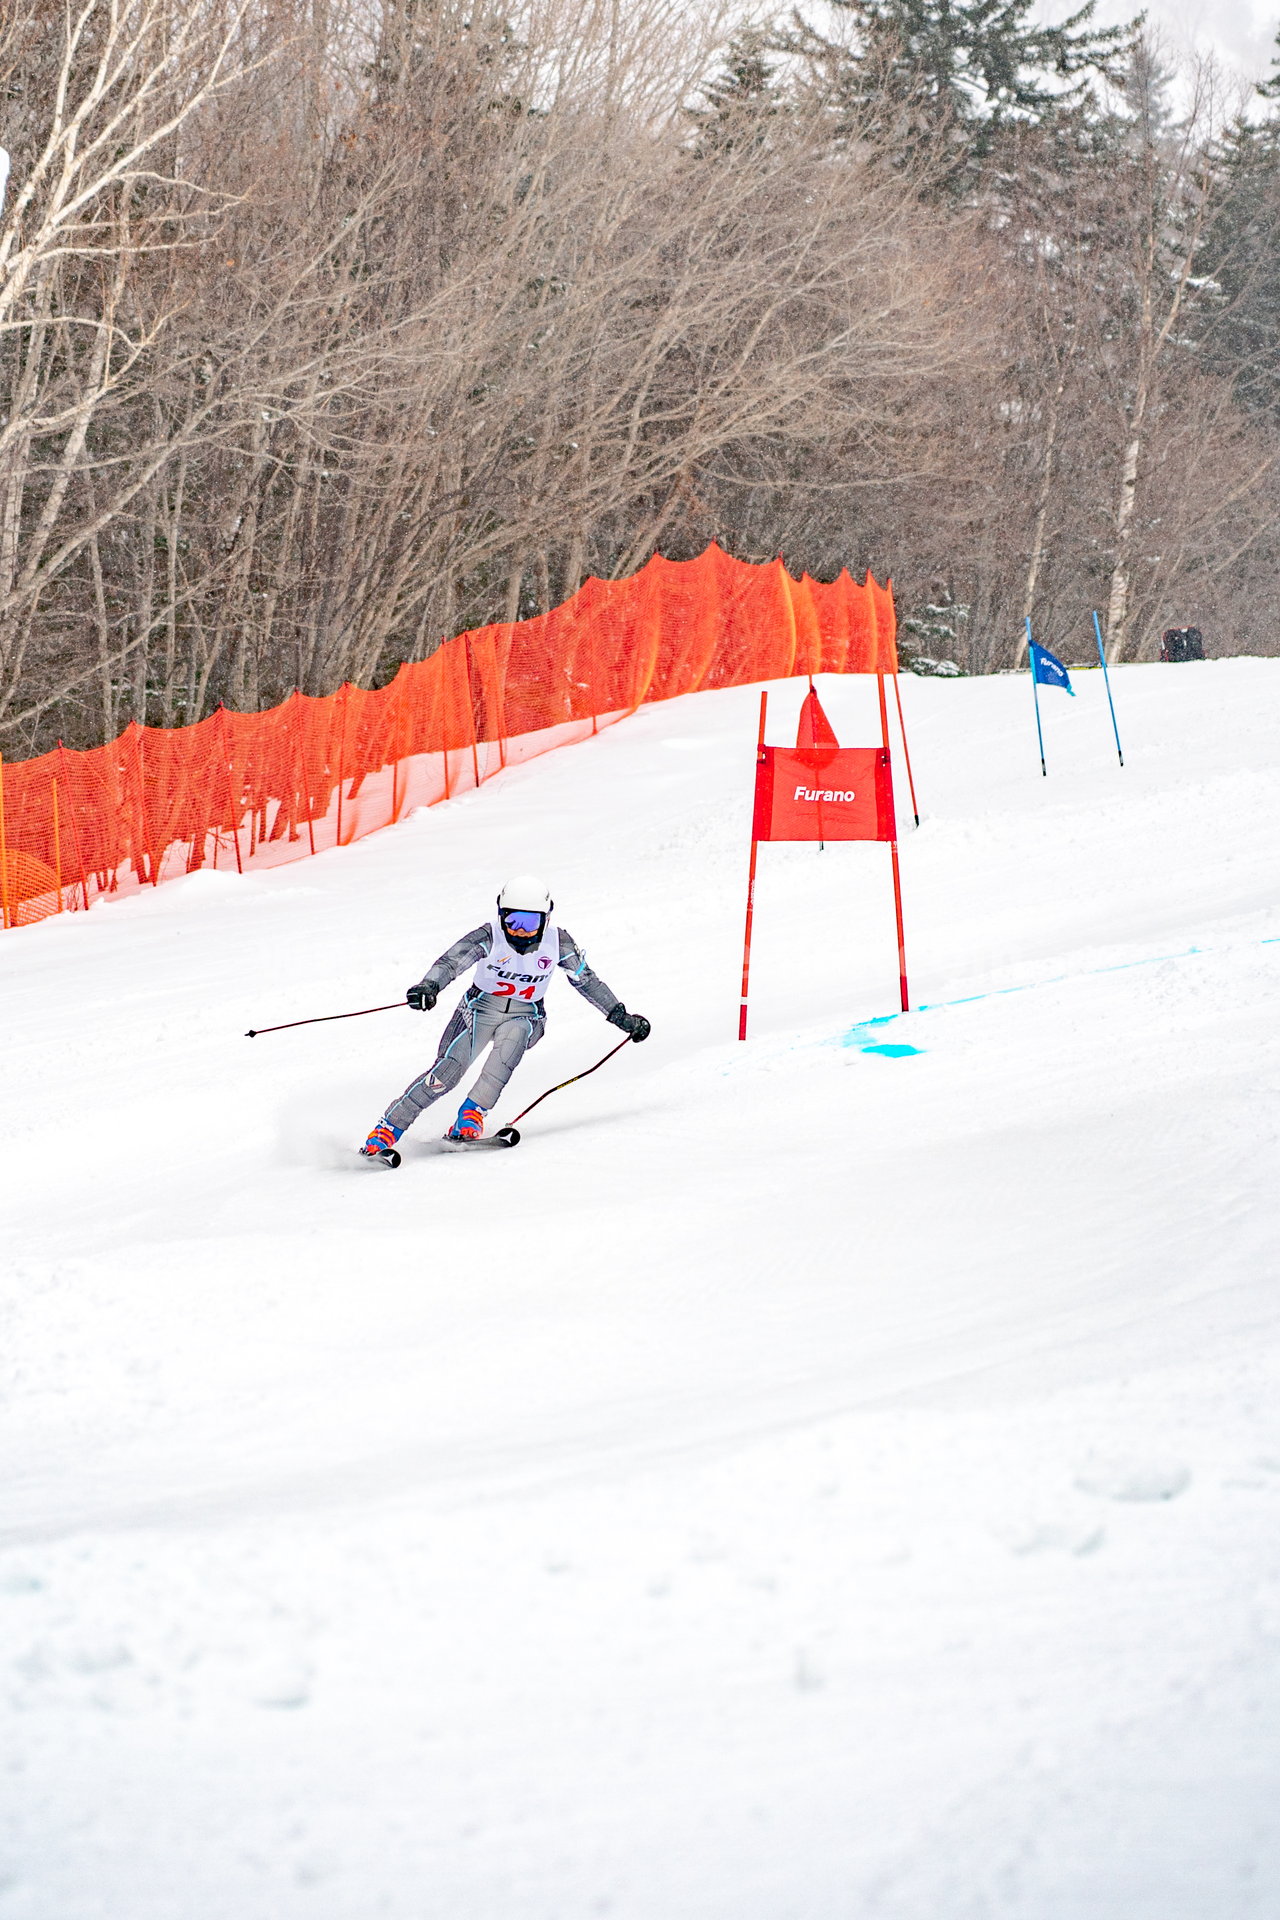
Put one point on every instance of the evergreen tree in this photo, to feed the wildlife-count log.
(981, 62)
(1240, 257)
(743, 99)
(955, 74)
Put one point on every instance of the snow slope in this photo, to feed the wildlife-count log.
(800, 1483)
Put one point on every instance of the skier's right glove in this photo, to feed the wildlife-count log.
(423, 997)
(634, 1025)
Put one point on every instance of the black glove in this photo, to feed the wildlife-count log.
(633, 1024)
(422, 998)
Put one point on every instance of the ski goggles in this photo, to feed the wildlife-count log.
(523, 924)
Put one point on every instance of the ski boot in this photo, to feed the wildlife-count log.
(381, 1144)
(469, 1124)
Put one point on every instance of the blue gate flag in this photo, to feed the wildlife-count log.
(1048, 670)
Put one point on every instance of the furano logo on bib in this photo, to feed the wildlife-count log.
(824, 793)
(511, 976)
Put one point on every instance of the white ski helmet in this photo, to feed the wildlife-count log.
(526, 893)
(524, 907)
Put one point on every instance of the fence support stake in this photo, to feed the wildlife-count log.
(5, 916)
(471, 709)
(75, 830)
(342, 756)
(57, 845)
(231, 793)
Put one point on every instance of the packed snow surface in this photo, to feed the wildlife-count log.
(831, 1478)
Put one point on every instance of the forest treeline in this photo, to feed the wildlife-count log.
(329, 328)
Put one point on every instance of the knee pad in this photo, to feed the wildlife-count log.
(444, 1077)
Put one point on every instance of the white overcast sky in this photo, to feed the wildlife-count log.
(1239, 33)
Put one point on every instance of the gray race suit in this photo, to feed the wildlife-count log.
(483, 1020)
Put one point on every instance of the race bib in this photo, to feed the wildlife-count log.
(509, 975)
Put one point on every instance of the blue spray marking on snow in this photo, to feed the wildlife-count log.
(860, 1036)
(856, 1036)
(863, 1034)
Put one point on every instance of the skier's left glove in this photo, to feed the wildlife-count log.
(634, 1025)
(424, 996)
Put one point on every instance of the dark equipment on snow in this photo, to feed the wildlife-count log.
(634, 1025)
(424, 997)
(1182, 643)
(319, 1018)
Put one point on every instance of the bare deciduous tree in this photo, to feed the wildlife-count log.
(329, 329)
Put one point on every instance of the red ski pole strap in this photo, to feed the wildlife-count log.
(319, 1019)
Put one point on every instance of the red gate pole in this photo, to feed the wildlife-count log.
(822, 845)
(751, 888)
(906, 751)
(893, 855)
(902, 948)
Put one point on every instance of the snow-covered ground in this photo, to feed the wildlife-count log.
(799, 1483)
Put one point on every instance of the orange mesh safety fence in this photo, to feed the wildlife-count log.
(242, 790)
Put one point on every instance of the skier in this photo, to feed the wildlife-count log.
(514, 956)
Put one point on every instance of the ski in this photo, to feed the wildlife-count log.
(388, 1158)
(504, 1137)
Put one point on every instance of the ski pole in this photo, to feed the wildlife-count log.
(569, 1082)
(317, 1019)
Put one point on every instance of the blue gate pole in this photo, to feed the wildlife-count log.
(1102, 661)
(1035, 689)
